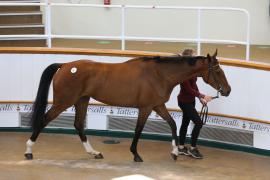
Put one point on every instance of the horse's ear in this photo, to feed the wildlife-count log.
(215, 55)
(209, 58)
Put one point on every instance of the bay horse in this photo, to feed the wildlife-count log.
(143, 82)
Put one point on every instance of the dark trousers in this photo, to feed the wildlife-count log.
(189, 113)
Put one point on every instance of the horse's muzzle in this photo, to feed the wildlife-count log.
(226, 93)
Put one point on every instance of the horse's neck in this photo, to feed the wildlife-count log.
(177, 73)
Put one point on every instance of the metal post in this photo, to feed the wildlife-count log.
(199, 33)
(48, 31)
(248, 37)
(123, 28)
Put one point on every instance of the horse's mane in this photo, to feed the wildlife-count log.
(191, 60)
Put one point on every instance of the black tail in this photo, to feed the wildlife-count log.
(40, 104)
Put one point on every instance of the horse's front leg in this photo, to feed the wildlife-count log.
(142, 117)
(163, 112)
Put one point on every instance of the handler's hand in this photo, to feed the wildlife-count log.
(203, 101)
(207, 98)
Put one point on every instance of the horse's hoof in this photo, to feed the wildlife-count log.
(28, 156)
(99, 156)
(174, 157)
(138, 159)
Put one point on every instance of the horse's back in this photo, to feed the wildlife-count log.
(122, 84)
(118, 84)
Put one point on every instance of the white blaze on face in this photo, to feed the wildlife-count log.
(73, 70)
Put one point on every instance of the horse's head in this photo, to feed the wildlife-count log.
(215, 76)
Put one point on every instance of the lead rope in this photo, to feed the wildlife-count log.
(204, 110)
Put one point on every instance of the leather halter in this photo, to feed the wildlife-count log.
(211, 71)
(204, 110)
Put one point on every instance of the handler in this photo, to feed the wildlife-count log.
(186, 101)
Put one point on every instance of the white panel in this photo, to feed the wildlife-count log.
(9, 119)
(13, 76)
(261, 140)
(27, 76)
(4, 80)
(96, 121)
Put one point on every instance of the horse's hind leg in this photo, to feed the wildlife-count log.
(81, 110)
(49, 116)
(142, 117)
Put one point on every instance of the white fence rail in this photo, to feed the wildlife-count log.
(122, 37)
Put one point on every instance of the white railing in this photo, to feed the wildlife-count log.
(49, 36)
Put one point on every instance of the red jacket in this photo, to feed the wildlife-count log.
(189, 90)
